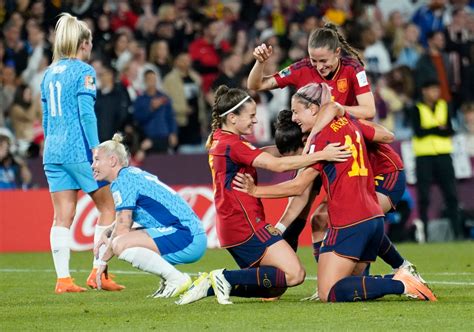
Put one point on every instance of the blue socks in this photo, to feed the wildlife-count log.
(389, 253)
(263, 276)
(316, 247)
(353, 289)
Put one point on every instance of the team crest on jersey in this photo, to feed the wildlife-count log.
(342, 85)
(284, 72)
(117, 198)
(249, 145)
(90, 82)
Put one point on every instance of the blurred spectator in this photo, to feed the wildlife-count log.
(206, 53)
(230, 73)
(123, 16)
(160, 57)
(111, 106)
(155, 117)
(434, 65)
(103, 34)
(24, 114)
(338, 12)
(407, 50)
(183, 86)
(433, 146)
(429, 18)
(393, 33)
(376, 55)
(35, 47)
(16, 54)
(119, 55)
(8, 88)
(404, 7)
(14, 172)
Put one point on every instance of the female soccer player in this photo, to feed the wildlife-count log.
(332, 61)
(170, 231)
(355, 223)
(268, 264)
(68, 94)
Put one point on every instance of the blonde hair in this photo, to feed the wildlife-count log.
(70, 33)
(115, 147)
(313, 93)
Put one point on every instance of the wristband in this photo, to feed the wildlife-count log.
(280, 227)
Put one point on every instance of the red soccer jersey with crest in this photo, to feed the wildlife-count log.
(349, 81)
(350, 184)
(239, 215)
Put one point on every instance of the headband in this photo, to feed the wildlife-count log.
(317, 101)
(235, 107)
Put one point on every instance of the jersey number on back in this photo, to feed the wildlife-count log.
(55, 100)
(358, 167)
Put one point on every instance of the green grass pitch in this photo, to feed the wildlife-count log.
(27, 300)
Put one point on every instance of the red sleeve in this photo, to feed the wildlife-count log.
(242, 152)
(287, 76)
(317, 145)
(367, 131)
(360, 81)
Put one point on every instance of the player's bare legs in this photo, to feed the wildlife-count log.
(140, 250)
(104, 202)
(331, 269)
(64, 204)
(281, 256)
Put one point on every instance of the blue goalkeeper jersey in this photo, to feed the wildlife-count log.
(68, 93)
(154, 204)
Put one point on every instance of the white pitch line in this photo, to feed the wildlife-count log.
(311, 278)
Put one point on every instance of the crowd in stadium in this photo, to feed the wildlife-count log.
(212, 42)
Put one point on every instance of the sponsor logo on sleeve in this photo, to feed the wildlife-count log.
(117, 198)
(362, 79)
(284, 72)
(89, 82)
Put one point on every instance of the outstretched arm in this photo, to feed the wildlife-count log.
(365, 108)
(294, 187)
(256, 80)
(382, 134)
(332, 152)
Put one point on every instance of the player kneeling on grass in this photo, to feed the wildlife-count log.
(170, 233)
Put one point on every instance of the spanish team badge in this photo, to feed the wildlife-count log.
(90, 82)
(342, 85)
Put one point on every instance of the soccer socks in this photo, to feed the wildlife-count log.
(263, 277)
(316, 248)
(97, 234)
(389, 253)
(59, 238)
(149, 261)
(351, 289)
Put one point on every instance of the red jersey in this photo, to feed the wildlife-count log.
(239, 215)
(350, 184)
(383, 158)
(349, 81)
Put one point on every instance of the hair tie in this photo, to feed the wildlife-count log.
(235, 107)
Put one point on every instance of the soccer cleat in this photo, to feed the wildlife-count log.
(411, 269)
(159, 291)
(174, 288)
(314, 297)
(197, 291)
(67, 285)
(221, 286)
(107, 283)
(414, 288)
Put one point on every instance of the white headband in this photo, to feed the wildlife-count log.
(235, 107)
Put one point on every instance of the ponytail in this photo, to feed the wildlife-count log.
(116, 147)
(329, 37)
(69, 34)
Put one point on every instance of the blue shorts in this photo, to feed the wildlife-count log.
(252, 251)
(178, 246)
(359, 242)
(75, 176)
(391, 185)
